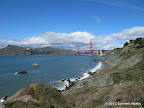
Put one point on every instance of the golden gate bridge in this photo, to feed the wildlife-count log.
(99, 52)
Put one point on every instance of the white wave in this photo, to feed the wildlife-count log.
(97, 67)
(15, 73)
(73, 79)
(64, 84)
(86, 75)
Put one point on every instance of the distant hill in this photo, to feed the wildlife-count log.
(12, 50)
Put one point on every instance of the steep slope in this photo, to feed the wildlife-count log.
(37, 96)
(122, 83)
(128, 56)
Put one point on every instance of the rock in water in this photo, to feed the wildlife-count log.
(21, 73)
(89, 72)
(95, 60)
(35, 65)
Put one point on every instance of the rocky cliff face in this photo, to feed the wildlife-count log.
(122, 82)
(127, 57)
(12, 50)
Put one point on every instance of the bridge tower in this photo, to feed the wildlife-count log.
(78, 50)
(91, 47)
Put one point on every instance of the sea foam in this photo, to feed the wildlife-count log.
(63, 85)
(86, 75)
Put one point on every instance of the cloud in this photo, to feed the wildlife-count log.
(71, 40)
(62, 40)
(128, 34)
(121, 3)
(97, 18)
(115, 40)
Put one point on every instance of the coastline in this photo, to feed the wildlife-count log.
(78, 83)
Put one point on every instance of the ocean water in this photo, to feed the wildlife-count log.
(52, 69)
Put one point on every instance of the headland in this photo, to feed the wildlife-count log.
(121, 82)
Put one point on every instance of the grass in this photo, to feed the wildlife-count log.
(46, 96)
(118, 100)
(117, 77)
(109, 107)
(118, 50)
(50, 96)
(96, 102)
(129, 77)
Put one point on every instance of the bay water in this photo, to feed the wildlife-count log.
(52, 69)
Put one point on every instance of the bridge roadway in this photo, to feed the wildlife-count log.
(94, 50)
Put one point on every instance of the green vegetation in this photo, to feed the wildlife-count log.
(129, 77)
(117, 77)
(50, 96)
(139, 42)
(118, 100)
(125, 44)
(46, 97)
(118, 50)
(109, 107)
(96, 102)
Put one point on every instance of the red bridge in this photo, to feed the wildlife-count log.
(99, 52)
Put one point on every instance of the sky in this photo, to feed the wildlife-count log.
(68, 23)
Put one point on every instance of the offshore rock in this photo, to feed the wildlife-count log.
(21, 73)
(35, 65)
(95, 60)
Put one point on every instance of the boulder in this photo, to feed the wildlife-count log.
(95, 60)
(21, 73)
(63, 80)
(35, 65)
(89, 72)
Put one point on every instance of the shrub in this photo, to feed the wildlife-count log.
(131, 41)
(125, 44)
(139, 41)
(129, 77)
(96, 102)
(117, 77)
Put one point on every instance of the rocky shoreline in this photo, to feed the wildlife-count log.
(87, 81)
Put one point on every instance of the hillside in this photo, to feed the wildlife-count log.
(37, 96)
(122, 81)
(121, 85)
(12, 50)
